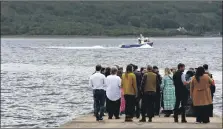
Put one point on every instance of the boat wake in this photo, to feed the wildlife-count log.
(93, 47)
(146, 46)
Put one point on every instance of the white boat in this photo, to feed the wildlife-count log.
(141, 41)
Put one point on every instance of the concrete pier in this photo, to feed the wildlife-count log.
(89, 121)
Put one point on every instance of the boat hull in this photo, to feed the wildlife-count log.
(136, 45)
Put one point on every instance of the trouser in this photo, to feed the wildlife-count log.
(148, 102)
(129, 105)
(113, 107)
(180, 99)
(137, 108)
(201, 113)
(157, 103)
(99, 97)
(94, 106)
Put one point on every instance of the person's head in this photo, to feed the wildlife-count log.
(120, 69)
(114, 70)
(135, 67)
(173, 70)
(200, 72)
(149, 68)
(102, 70)
(129, 68)
(167, 71)
(181, 67)
(141, 69)
(191, 69)
(155, 69)
(98, 68)
(108, 70)
(205, 67)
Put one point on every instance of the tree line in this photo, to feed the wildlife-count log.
(110, 18)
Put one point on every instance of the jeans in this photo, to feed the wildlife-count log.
(180, 99)
(99, 97)
(138, 110)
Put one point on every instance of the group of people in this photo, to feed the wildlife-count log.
(144, 92)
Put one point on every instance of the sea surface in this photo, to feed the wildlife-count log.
(44, 81)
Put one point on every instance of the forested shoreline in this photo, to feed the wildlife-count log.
(128, 18)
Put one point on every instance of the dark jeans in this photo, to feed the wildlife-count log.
(202, 114)
(148, 102)
(137, 108)
(129, 106)
(180, 99)
(113, 107)
(157, 103)
(99, 97)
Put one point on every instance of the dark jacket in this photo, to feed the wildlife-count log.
(149, 82)
(138, 78)
(159, 82)
(180, 88)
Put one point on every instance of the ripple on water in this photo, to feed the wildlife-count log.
(42, 87)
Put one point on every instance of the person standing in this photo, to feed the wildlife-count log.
(138, 83)
(181, 93)
(213, 88)
(148, 86)
(158, 94)
(113, 93)
(201, 95)
(168, 89)
(130, 92)
(97, 81)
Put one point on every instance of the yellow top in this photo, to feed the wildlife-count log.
(129, 84)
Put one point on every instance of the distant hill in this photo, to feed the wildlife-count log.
(110, 18)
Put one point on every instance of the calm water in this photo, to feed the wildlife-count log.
(44, 82)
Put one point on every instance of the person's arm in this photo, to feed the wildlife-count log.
(143, 83)
(162, 84)
(184, 79)
(104, 82)
(134, 84)
(211, 81)
(119, 82)
(122, 81)
(191, 88)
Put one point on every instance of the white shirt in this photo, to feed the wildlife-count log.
(113, 91)
(183, 78)
(97, 81)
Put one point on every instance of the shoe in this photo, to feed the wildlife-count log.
(183, 121)
(117, 118)
(109, 118)
(167, 115)
(197, 122)
(142, 120)
(150, 120)
(176, 119)
(99, 119)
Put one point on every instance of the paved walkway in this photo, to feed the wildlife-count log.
(158, 122)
